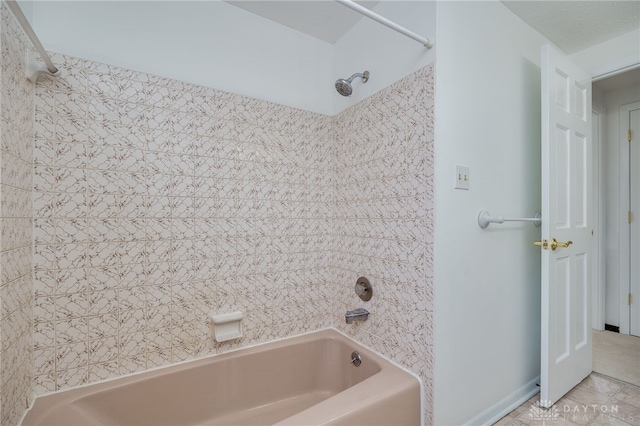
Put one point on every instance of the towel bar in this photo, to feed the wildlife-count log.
(485, 218)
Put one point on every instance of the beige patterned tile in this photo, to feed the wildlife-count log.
(44, 336)
(72, 330)
(623, 411)
(103, 350)
(70, 205)
(104, 371)
(579, 413)
(103, 326)
(70, 231)
(72, 356)
(598, 391)
(608, 420)
(630, 395)
(66, 379)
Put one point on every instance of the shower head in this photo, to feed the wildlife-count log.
(344, 86)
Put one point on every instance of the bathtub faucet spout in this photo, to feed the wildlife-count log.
(360, 314)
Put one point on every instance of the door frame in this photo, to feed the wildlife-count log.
(623, 230)
(598, 305)
(598, 285)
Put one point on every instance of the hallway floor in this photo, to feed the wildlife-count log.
(598, 400)
(617, 355)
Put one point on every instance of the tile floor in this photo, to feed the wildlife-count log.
(597, 401)
(617, 355)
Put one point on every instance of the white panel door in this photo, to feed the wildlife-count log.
(566, 226)
(634, 237)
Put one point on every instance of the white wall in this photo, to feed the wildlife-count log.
(386, 54)
(218, 45)
(487, 281)
(209, 42)
(616, 53)
(613, 141)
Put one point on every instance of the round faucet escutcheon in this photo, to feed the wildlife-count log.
(363, 289)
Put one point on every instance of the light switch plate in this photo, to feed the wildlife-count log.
(461, 177)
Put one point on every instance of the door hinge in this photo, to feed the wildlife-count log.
(629, 217)
(629, 135)
(629, 299)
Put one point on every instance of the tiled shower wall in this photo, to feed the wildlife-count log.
(16, 301)
(157, 202)
(382, 225)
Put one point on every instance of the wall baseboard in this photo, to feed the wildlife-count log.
(506, 405)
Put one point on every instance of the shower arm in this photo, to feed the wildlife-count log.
(386, 22)
(363, 76)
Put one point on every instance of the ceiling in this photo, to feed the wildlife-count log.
(571, 25)
(325, 20)
(576, 25)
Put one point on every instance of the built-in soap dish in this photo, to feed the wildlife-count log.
(226, 327)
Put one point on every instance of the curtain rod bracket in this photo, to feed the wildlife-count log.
(48, 68)
(34, 69)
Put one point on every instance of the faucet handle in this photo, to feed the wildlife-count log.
(363, 289)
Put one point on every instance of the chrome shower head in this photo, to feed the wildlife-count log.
(344, 86)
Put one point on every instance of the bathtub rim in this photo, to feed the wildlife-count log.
(230, 352)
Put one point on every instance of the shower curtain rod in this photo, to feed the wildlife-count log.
(22, 20)
(384, 21)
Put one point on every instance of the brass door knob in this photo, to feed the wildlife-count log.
(555, 244)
